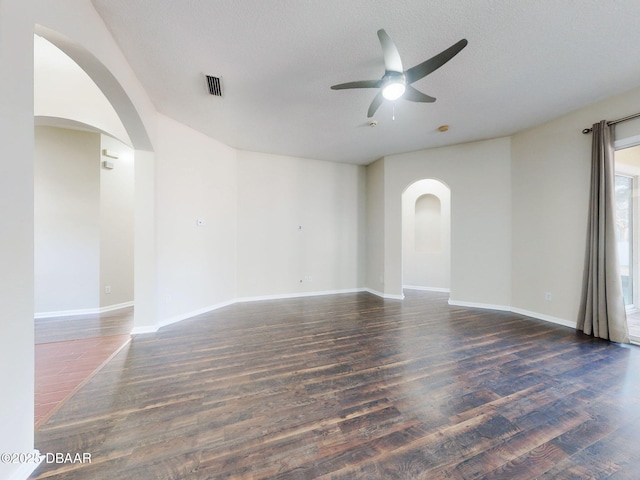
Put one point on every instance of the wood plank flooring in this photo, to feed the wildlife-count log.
(60, 329)
(355, 387)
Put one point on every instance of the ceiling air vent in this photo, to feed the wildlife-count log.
(214, 86)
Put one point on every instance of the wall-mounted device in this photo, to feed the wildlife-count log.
(110, 154)
(108, 164)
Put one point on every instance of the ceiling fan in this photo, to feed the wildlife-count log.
(396, 82)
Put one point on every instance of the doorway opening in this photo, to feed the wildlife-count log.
(426, 236)
(83, 229)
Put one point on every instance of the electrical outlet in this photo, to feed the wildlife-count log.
(547, 296)
(107, 289)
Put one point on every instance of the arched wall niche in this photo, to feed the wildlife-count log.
(426, 235)
(428, 222)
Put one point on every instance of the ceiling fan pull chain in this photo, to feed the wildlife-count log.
(393, 117)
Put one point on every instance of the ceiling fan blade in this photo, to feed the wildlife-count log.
(425, 68)
(414, 95)
(358, 84)
(392, 62)
(375, 104)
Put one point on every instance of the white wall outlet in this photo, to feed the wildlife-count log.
(200, 222)
(547, 296)
(107, 289)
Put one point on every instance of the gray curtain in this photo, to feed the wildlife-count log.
(602, 311)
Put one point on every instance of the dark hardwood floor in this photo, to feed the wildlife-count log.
(78, 327)
(355, 387)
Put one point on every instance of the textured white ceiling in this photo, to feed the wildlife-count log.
(527, 61)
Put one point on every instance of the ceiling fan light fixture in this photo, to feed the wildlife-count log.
(394, 89)
(398, 82)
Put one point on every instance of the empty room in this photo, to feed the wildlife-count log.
(285, 239)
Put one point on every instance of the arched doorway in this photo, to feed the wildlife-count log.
(84, 124)
(426, 236)
(135, 123)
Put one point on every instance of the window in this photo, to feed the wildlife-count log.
(624, 234)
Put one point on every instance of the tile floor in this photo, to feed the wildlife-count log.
(69, 351)
(63, 367)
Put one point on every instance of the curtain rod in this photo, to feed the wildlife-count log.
(613, 122)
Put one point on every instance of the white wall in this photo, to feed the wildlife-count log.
(77, 20)
(551, 174)
(479, 175)
(430, 269)
(298, 220)
(16, 240)
(67, 220)
(83, 223)
(195, 180)
(375, 227)
(116, 224)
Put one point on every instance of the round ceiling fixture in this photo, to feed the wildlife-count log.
(394, 87)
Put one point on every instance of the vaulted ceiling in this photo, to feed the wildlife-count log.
(526, 62)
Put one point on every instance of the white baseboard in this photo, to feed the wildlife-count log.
(486, 306)
(194, 313)
(519, 311)
(143, 330)
(546, 318)
(427, 289)
(83, 311)
(25, 470)
(178, 318)
(297, 295)
(388, 296)
(119, 306)
(154, 328)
